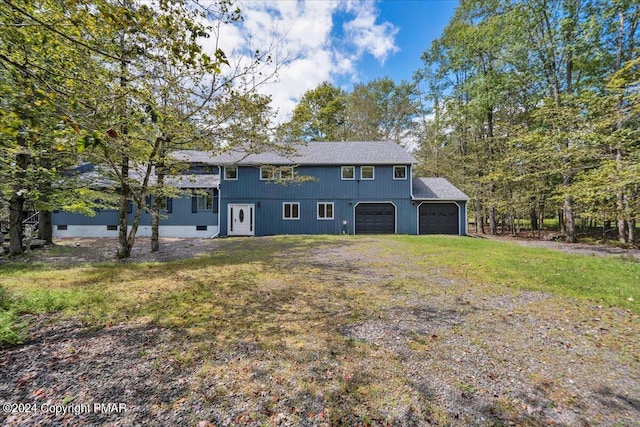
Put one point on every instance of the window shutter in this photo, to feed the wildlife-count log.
(169, 205)
(194, 204)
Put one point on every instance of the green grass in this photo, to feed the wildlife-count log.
(610, 280)
(252, 279)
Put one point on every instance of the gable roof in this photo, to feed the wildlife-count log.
(436, 188)
(311, 153)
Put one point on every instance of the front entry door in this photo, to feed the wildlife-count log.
(241, 220)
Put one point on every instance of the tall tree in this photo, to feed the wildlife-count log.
(319, 116)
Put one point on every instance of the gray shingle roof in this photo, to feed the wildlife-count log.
(102, 177)
(436, 188)
(311, 153)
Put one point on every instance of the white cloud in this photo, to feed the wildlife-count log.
(306, 30)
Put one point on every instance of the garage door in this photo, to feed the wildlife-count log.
(439, 218)
(375, 218)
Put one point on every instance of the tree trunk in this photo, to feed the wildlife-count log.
(45, 228)
(124, 250)
(570, 227)
(561, 224)
(478, 216)
(492, 221)
(157, 201)
(16, 216)
(155, 225)
(16, 204)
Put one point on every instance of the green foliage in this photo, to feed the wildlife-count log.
(536, 107)
(11, 331)
(373, 111)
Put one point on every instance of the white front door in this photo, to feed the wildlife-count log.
(241, 219)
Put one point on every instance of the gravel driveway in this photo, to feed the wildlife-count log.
(453, 354)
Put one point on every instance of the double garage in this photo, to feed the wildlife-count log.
(433, 218)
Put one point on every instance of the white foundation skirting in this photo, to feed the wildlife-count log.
(143, 231)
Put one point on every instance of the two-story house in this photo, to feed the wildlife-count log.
(323, 188)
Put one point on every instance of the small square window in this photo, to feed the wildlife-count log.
(348, 172)
(290, 210)
(231, 173)
(266, 173)
(286, 174)
(367, 172)
(399, 172)
(325, 210)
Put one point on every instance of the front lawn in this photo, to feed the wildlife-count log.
(342, 330)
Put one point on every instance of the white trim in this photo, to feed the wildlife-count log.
(252, 219)
(265, 179)
(292, 218)
(342, 173)
(439, 202)
(395, 214)
(373, 173)
(325, 211)
(225, 173)
(406, 170)
(184, 231)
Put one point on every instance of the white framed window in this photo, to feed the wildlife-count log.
(348, 172)
(286, 174)
(269, 173)
(325, 210)
(231, 173)
(399, 172)
(367, 172)
(266, 173)
(291, 210)
(205, 202)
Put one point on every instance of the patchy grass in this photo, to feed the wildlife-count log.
(612, 281)
(344, 330)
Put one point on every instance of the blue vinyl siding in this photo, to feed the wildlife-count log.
(181, 215)
(327, 186)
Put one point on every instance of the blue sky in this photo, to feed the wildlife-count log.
(418, 23)
(340, 41)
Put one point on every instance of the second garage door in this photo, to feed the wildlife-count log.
(375, 218)
(439, 218)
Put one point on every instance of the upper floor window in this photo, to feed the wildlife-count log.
(348, 172)
(399, 172)
(231, 173)
(270, 172)
(367, 172)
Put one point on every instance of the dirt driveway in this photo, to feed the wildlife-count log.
(428, 350)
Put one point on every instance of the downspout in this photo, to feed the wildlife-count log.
(219, 204)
